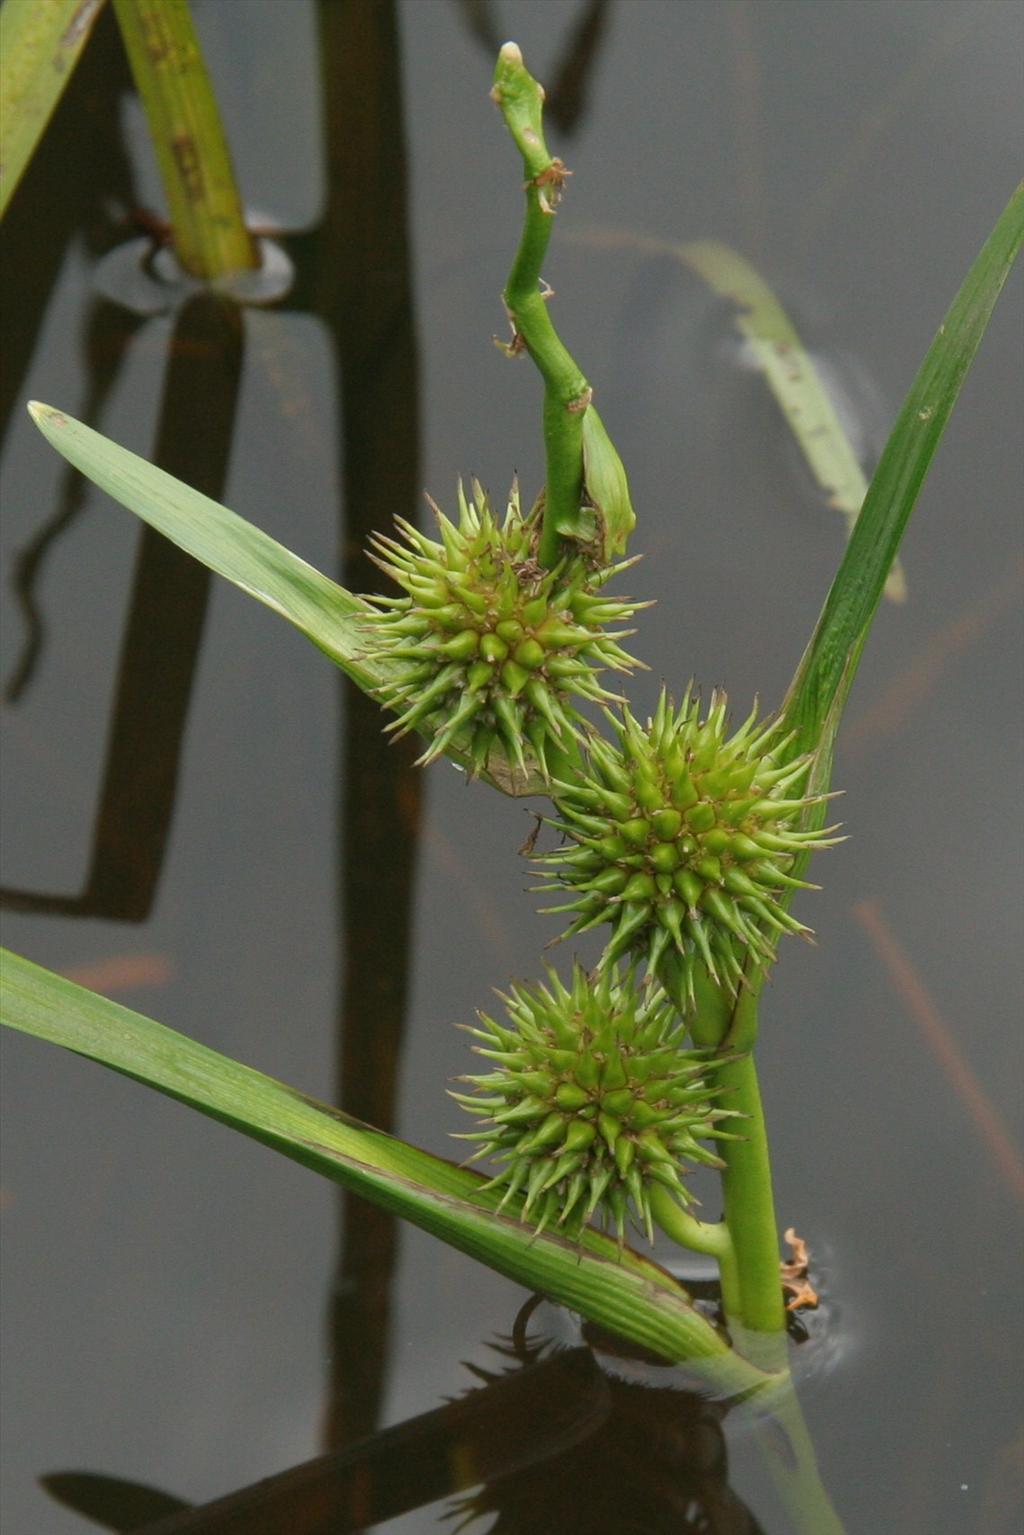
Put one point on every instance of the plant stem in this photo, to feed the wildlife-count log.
(699, 1237)
(785, 1443)
(207, 224)
(722, 1023)
(566, 391)
(749, 1205)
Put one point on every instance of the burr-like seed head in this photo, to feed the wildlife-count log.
(591, 1099)
(682, 838)
(489, 651)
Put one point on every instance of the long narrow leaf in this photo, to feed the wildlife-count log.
(203, 200)
(780, 356)
(793, 379)
(622, 1291)
(41, 41)
(819, 690)
(322, 610)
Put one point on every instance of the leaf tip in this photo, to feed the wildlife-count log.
(45, 415)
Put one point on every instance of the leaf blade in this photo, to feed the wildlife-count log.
(789, 371)
(818, 692)
(328, 615)
(238, 550)
(632, 1297)
(604, 477)
(41, 41)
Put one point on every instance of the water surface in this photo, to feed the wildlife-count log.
(176, 1313)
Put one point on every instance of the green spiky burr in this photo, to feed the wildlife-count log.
(682, 838)
(592, 1100)
(492, 649)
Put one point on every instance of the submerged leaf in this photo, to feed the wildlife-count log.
(793, 379)
(780, 355)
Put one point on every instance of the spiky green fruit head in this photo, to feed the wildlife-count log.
(683, 837)
(491, 648)
(591, 1099)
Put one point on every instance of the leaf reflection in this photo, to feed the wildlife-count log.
(549, 1441)
(163, 631)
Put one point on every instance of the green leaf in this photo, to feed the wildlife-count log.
(820, 688)
(606, 486)
(324, 611)
(41, 41)
(205, 207)
(781, 357)
(625, 1292)
(792, 378)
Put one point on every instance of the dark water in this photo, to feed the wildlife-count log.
(190, 791)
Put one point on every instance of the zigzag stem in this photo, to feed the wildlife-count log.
(566, 391)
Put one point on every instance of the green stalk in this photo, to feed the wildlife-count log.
(714, 1240)
(751, 1287)
(207, 223)
(749, 1203)
(566, 391)
(785, 1443)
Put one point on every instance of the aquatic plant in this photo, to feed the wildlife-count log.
(41, 42)
(491, 647)
(686, 839)
(684, 836)
(593, 1102)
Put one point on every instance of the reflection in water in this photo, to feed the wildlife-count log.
(362, 289)
(109, 330)
(82, 152)
(84, 139)
(144, 275)
(745, 52)
(656, 1463)
(163, 631)
(942, 1041)
(354, 271)
(912, 1421)
(550, 1442)
(567, 97)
